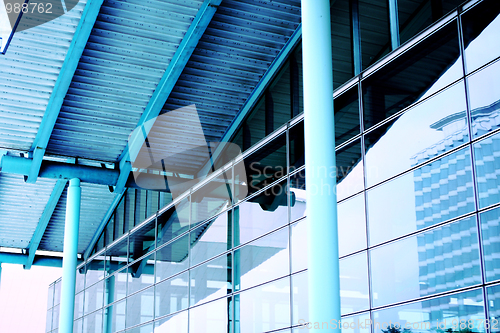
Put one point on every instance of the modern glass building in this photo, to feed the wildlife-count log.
(417, 127)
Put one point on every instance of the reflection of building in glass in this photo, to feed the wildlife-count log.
(415, 226)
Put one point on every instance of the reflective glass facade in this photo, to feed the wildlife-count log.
(418, 154)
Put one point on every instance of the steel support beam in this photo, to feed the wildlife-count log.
(70, 256)
(319, 126)
(62, 84)
(44, 221)
(21, 259)
(255, 95)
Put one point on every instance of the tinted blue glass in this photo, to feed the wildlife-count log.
(352, 225)
(261, 214)
(433, 193)
(140, 307)
(262, 260)
(115, 287)
(300, 302)
(438, 260)
(264, 308)
(490, 226)
(493, 294)
(487, 163)
(210, 239)
(480, 29)
(172, 222)
(94, 297)
(93, 322)
(177, 323)
(141, 274)
(117, 256)
(148, 328)
(297, 195)
(484, 93)
(346, 108)
(172, 295)
(78, 305)
(348, 171)
(172, 258)
(114, 317)
(211, 317)
(95, 270)
(423, 69)
(354, 283)
(211, 280)
(356, 324)
(423, 132)
(299, 245)
(447, 311)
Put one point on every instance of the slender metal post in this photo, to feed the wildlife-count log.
(394, 23)
(72, 223)
(323, 252)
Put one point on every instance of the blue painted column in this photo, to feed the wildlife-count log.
(323, 253)
(72, 223)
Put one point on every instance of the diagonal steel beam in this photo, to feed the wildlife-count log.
(255, 95)
(44, 221)
(160, 96)
(62, 84)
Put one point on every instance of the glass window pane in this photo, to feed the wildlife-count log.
(374, 26)
(296, 137)
(114, 317)
(78, 305)
(261, 214)
(487, 163)
(297, 195)
(356, 324)
(490, 226)
(354, 293)
(340, 18)
(299, 245)
(57, 292)
(431, 194)
(94, 297)
(140, 307)
(172, 295)
(93, 322)
(117, 256)
(346, 107)
(212, 198)
(211, 317)
(50, 296)
(396, 85)
(493, 294)
(264, 308)
(55, 317)
(172, 258)
(262, 260)
(48, 321)
(349, 171)
(211, 280)
(173, 222)
(210, 239)
(177, 323)
(415, 16)
(115, 287)
(300, 305)
(80, 280)
(484, 93)
(438, 260)
(267, 164)
(424, 316)
(142, 241)
(141, 274)
(148, 328)
(95, 270)
(278, 100)
(480, 28)
(77, 326)
(433, 127)
(352, 225)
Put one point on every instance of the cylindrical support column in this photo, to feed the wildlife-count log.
(70, 256)
(323, 252)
